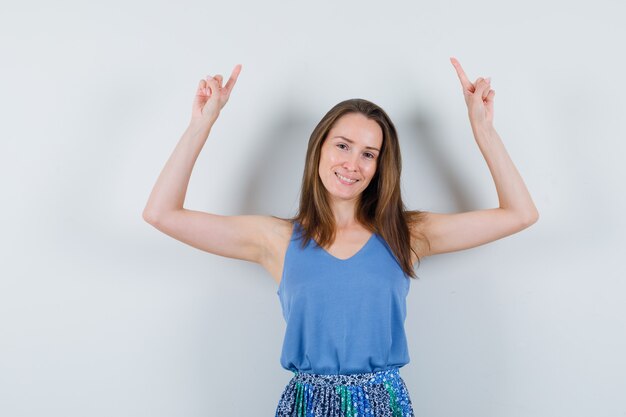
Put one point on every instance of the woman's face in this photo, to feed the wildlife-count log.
(351, 150)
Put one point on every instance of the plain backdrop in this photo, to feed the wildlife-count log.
(103, 315)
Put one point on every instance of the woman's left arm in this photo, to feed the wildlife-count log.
(516, 211)
(512, 192)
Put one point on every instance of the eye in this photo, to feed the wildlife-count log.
(369, 155)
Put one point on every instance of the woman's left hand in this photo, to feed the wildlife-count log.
(478, 97)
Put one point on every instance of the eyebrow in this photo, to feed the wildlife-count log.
(351, 141)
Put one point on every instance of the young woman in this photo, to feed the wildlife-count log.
(343, 263)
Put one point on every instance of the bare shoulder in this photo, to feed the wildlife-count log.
(278, 235)
(419, 239)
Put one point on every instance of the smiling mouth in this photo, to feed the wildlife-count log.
(345, 180)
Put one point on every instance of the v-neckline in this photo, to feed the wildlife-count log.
(351, 257)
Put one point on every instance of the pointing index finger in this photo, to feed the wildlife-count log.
(233, 77)
(465, 82)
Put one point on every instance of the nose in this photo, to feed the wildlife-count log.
(351, 162)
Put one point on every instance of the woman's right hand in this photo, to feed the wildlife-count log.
(211, 97)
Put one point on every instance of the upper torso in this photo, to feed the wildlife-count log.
(344, 246)
(344, 314)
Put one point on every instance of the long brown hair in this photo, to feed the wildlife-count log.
(380, 208)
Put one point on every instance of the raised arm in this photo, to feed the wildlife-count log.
(516, 211)
(241, 237)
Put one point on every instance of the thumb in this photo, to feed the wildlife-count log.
(200, 96)
(482, 88)
(212, 85)
(490, 97)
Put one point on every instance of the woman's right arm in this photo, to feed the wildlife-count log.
(241, 237)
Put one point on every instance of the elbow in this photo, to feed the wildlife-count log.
(157, 217)
(149, 216)
(524, 218)
(531, 218)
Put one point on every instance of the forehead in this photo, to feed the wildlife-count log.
(359, 129)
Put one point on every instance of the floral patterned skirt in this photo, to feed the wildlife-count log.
(373, 394)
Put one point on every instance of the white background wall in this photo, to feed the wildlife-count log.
(102, 315)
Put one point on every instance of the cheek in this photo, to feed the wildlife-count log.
(372, 169)
(324, 153)
(332, 158)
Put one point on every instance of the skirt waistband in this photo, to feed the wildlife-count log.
(367, 378)
(373, 394)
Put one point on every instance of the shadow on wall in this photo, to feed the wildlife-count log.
(276, 169)
(434, 163)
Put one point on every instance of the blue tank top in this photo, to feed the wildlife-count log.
(343, 316)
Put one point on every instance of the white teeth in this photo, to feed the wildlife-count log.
(344, 178)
